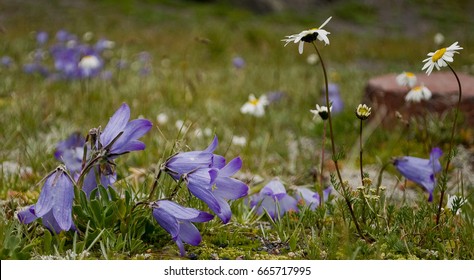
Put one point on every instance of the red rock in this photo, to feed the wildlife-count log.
(383, 92)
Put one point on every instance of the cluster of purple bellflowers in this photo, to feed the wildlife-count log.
(86, 164)
(90, 162)
(66, 56)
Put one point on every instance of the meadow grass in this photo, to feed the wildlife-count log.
(192, 79)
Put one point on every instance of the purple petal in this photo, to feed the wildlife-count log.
(50, 222)
(206, 196)
(116, 124)
(225, 214)
(230, 188)
(27, 215)
(63, 198)
(189, 233)
(167, 222)
(218, 161)
(46, 198)
(180, 244)
(183, 213)
(274, 188)
(231, 168)
(212, 146)
(132, 131)
(134, 145)
(183, 163)
(288, 203)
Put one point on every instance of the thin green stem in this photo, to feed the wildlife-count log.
(451, 143)
(155, 183)
(333, 146)
(321, 176)
(360, 154)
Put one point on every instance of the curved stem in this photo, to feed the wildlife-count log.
(333, 146)
(451, 143)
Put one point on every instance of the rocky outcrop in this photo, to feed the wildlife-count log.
(385, 95)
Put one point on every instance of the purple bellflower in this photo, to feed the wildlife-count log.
(308, 197)
(274, 199)
(54, 204)
(215, 187)
(121, 136)
(184, 163)
(177, 221)
(421, 171)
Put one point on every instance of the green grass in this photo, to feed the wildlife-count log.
(192, 79)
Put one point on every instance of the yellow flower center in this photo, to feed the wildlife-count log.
(438, 54)
(409, 74)
(417, 88)
(254, 102)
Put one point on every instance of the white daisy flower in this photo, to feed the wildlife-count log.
(255, 106)
(440, 58)
(418, 93)
(406, 79)
(309, 36)
(322, 111)
(363, 111)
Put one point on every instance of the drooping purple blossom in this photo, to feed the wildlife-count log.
(177, 221)
(273, 199)
(215, 187)
(209, 178)
(421, 171)
(185, 162)
(310, 198)
(54, 204)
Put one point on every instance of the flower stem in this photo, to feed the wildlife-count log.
(360, 154)
(451, 143)
(333, 147)
(321, 176)
(155, 183)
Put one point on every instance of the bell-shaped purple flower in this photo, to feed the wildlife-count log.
(421, 171)
(308, 197)
(274, 199)
(54, 205)
(215, 187)
(226, 188)
(130, 133)
(177, 221)
(184, 163)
